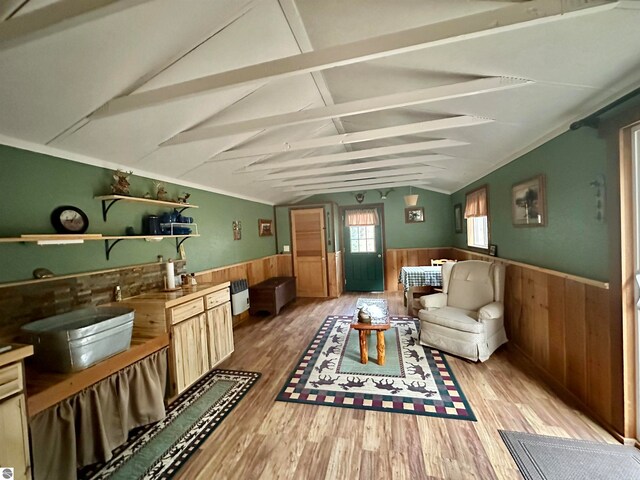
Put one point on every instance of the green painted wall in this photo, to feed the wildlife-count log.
(33, 184)
(435, 231)
(573, 241)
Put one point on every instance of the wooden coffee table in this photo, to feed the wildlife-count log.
(365, 329)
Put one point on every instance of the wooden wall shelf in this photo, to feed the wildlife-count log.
(109, 240)
(109, 200)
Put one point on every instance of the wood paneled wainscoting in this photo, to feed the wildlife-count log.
(562, 324)
(255, 271)
(336, 280)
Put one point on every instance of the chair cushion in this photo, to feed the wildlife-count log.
(471, 285)
(454, 318)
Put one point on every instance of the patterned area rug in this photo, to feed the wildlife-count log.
(540, 457)
(414, 379)
(158, 451)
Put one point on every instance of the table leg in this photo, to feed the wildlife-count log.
(381, 349)
(364, 347)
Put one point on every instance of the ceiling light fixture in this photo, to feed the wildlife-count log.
(411, 200)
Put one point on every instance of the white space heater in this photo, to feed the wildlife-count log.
(239, 296)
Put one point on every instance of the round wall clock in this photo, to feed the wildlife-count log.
(69, 219)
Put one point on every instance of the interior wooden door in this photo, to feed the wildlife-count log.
(309, 252)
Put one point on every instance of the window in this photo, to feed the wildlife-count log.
(477, 214)
(363, 239)
(478, 232)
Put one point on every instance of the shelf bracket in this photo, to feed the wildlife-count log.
(105, 210)
(108, 248)
(180, 241)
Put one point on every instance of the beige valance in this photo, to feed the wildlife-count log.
(476, 204)
(87, 427)
(362, 218)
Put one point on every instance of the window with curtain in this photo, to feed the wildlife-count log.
(477, 214)
(362, 218)
(361, 224)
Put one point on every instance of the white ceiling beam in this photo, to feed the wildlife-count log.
(355, 167)
(56, 17)
(355, 155)
(355, 137)
(356, 107)
(471, 26)
(401, 183)
(360, 176)
(370, 182)
(8, 8)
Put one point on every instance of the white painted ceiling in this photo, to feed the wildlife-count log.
(465, 85)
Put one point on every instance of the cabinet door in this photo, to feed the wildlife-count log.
(190, 352)
(14, 437)
(220, 329)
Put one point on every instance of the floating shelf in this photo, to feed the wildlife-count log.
(109, 240)
(109, 200)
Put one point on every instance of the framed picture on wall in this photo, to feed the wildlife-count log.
(413, 214)
(528, 203)
(265, 227)
(457, 217)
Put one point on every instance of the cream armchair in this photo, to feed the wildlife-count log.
(467, 318)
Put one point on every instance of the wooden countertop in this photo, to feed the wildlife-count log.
(179, 296)
(17, 353)
(45, 389)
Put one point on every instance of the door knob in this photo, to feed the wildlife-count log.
(379, 255)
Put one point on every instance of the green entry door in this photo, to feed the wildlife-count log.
(363, 266)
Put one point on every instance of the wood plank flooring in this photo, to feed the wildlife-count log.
(264, 439)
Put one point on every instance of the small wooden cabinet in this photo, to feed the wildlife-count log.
(199, 324)
(220, 333)
(14, 433)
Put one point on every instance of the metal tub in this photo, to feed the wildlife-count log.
(78, 339)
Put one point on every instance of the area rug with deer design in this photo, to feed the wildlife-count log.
(414, 379)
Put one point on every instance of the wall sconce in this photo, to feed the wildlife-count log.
(599, 185)
(359, 197)
(237, 230)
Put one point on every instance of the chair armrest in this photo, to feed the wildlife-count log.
(491, 310)
(434, 301)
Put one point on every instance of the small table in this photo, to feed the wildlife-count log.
(365, 330)
(419, 277)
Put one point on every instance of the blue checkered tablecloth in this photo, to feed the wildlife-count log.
(420, 276)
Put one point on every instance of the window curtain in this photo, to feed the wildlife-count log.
(476, 204)
(362, 218)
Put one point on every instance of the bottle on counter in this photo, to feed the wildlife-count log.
(192, 280)
(118, 293)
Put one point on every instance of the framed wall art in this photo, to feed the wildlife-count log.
(528, 203)
(413, 214)
(265, 227)
(457, 217)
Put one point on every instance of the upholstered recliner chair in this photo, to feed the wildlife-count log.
(467, 318)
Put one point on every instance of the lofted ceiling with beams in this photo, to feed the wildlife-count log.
(276, 100)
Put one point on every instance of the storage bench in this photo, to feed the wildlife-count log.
(271, 295)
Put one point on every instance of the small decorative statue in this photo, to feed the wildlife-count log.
(184, 197)
(121, 184)
(161, 192)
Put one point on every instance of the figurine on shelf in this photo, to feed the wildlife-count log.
(121, 185)
(161, 192)
(184, 198)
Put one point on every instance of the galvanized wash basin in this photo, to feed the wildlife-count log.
(78, 339)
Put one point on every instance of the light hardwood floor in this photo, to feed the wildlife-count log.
(264, 439)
